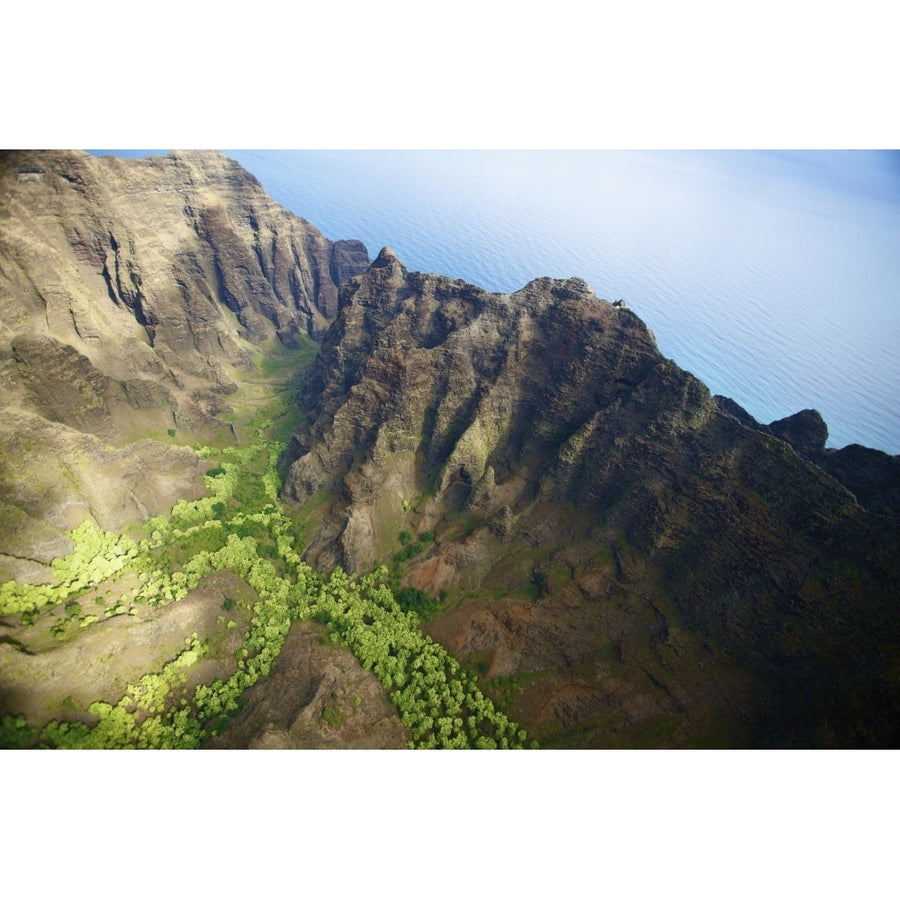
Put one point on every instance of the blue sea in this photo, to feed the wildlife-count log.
(773, 276)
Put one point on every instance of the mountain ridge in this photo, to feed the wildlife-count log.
(626, 559)
(549, 418)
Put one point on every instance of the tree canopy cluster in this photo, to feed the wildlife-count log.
(241, 526)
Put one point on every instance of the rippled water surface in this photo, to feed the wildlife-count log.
(773, 277)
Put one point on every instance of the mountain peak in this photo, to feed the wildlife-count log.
(386, 257)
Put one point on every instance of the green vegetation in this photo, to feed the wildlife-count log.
(411, 549)
(333, 717)
(440, 703)
(415, 600)
(97, 556)
(241, 527)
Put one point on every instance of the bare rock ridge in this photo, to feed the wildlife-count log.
(691, 571)
(128, 291)
(495, 399)
(872, 475)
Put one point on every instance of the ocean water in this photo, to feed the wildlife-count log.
(773, 276)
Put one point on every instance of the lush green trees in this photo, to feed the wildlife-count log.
(441, 705)
(241, 527)
(97, 556)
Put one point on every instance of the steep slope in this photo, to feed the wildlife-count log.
(641, 565)
(132, 293)
(872, 475)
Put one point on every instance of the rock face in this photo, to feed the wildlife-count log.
(131, 292)
(498, 400)
(182, 259)
(686, 575)
(873, 476)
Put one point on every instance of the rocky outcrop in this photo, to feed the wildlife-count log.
(873, 476)
(496, 400)
(805, 431)
(555, 454)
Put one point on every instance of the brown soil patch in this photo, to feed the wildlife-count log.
(317, 696)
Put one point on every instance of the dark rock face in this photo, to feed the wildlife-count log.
(550, 447)
(871, 475)
(805, 431)
(474, 390)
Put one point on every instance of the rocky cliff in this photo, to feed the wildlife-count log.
(635, 558)
(872, 475)
(131, 292)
